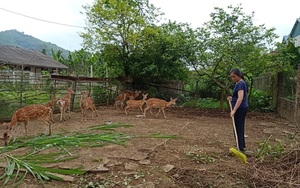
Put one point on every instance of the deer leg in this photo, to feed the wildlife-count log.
(61, 115)
(141, 108)
(158, 112)
(49, 127)
(163, 110)
(15, 130)
(69, 109)
(52, 117)
(96, 112)
(25, 124)
(145, 110)
(151, 111)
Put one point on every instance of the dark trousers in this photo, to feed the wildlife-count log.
(239, 119)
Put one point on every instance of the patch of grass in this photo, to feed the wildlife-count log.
(201, 157)
(109, 127)
(73, 140)
(203, 103)
(267, 150)
(159, 135)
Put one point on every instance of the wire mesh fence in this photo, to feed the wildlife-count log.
(18, 90)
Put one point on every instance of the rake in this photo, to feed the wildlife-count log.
(234, 151)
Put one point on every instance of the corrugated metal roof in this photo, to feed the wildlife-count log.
(17, 56)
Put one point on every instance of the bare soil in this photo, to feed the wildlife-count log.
(198, 157)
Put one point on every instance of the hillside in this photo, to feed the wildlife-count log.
(19, 39)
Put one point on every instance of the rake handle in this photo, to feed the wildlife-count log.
(234, 128)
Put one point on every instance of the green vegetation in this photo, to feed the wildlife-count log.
(56, 149)
(203, 103)
(202, 158)
(260, 101)
(267, 150)
(41, 173)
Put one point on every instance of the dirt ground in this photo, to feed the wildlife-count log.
(198, 157)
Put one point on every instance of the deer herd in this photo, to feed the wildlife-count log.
(44, 112)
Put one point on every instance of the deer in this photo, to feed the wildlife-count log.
(64, 104)
(130, 95)
(87, 103)
(26, 114)
(158, 103)
(119, 100)
(126, 95)
(50, 104)
(136, 103)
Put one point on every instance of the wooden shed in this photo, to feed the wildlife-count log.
(15, 61)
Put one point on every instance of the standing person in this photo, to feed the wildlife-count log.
(239, 104)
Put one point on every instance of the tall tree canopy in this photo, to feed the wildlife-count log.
(228, 40)
(114, 27)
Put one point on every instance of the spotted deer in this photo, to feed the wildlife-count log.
(126, 95)
(119, 101)
(51, 104)
(136, 103)
(158, 103)
(24, 115)
(87, 103)
(130, 95)
(64, 104)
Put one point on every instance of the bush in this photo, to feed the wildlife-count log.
(203, 103)
(260, 101)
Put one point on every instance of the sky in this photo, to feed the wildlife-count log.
(60, 21)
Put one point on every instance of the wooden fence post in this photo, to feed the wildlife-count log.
(297, 99)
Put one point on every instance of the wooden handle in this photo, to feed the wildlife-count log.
(233, 124)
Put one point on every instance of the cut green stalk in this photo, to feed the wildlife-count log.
(109, 127)
(38, 172)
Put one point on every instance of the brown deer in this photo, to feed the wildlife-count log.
(130, 95)
(120, 100)
(136, 103)
(158, 103)
(126, 95)
(51, 104)
(64, 104)
(26, 114)
(87, 103)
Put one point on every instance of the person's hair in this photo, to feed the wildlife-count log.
(239, 73)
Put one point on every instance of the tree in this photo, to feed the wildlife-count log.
(113, 27)
(161, 53)
(231, 40)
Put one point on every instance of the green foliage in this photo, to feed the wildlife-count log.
(202, 158)
(110, 127)
(11, 98)
(231, 40)
(203, 103)
(159, 135)
(260, 101)
(288, 54)
(266, 150)
(39, 172)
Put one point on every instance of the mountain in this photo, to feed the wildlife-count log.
(19, 39)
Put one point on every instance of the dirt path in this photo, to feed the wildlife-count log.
(197, 157)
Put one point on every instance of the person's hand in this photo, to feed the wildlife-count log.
(232, 113)
(229, 98)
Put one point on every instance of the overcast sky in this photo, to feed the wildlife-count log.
(25, 16)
